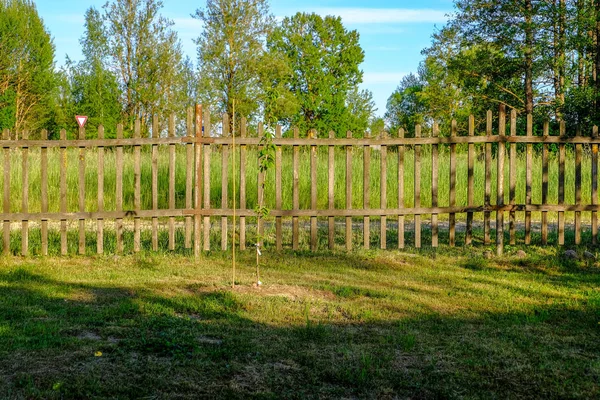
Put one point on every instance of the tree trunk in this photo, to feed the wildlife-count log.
(529, 57)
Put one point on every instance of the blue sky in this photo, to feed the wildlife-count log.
(392, 32)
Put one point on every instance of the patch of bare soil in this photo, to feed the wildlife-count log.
(287, 291)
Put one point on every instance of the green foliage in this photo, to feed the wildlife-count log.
(27, 79)
(231, 55)
(406, 107)
(94, 88)
(147, 58)
(324, 74)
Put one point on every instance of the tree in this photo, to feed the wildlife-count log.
(146, 56)
(231, 54)
(405, 107)
(323, 59)
(27, 75)
(361, 111)
(94, 88)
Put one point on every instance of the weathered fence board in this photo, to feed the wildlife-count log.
(190, 203)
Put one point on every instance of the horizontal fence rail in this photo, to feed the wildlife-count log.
(408, 167)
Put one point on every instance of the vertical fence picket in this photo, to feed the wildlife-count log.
(172, 160)
(44, 191)
(278, 190)
(313, 191)
(434, 186)
(366, 193)
(383, 192)
(488, 180)
(189, 176)
(198, 181)
(528, 179)
(452, 216)
(119, 189)
(417, 186)
(81, 192)
(561, 186)
(63, 194)
(100, 197)
(500, 182)
(470, 182)
(349, 234)
(25, 195)
(401, 149)
(295, 193)
(155, 135)
(595, 186)
(224, 181)
(206, 195)
(578, 151)
(512, 178)
(330, 192)
(6, 203)
(137, 184)
(260, 190)
(243, 157)
(545, 185)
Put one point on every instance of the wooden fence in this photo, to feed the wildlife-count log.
(199, 216)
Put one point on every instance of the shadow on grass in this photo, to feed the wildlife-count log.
(65, 340)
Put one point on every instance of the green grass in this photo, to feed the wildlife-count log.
(304, 183)
(446, 324)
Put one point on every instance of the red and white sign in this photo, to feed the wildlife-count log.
(81, 120)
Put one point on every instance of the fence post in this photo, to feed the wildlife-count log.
(155, 135)
(488, 179)
(367, 193)
(243, 156)
(198, 181)
(136, 188)
(417, 187)
(512, 177)
(81, 192)
(206, 196)
(119, 189)
(313, 191)
(189, 175)
(25, 198)
(6, 205)
(452, 202)
(295, 193)
(44, 192)
(278, 189)
(470, 182)
(545, 185)
(224, 181)
(434, 186)
(383, 191)
(349, 234)
(528, 179)
(500, 182)
(401, 189)
(594, 186)
(100, 221)
(172, 161)
(331, 191)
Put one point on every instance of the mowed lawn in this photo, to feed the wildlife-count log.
(445, 324)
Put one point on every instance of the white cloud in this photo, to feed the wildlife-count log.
(385, 15)
(374, 78)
